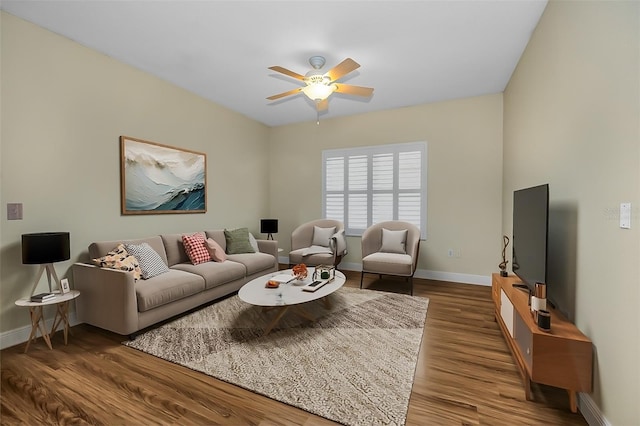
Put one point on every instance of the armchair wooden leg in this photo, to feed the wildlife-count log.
(411, 283)
(361, 277)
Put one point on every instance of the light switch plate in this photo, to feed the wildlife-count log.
(14, 211)
(625, 215)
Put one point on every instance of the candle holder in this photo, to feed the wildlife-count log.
(324, 272)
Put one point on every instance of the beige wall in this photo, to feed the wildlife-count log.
(63, 109)
(464, 184)
(571, 119)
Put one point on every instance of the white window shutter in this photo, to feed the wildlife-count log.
(367, 185)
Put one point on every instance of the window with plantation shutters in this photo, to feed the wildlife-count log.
(367, 185)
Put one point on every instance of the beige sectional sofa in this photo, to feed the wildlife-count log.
(113, 300)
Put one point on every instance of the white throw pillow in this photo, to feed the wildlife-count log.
(321, 236)
(254, 243)
(394, 241)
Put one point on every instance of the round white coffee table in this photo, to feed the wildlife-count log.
(287, 296)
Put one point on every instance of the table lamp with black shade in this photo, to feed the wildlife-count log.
(45, 248)
(269, 227)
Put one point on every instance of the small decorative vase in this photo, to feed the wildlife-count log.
(300, 271)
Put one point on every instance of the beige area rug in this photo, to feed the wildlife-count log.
(354, 365)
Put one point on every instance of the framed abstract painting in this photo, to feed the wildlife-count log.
(159, 179)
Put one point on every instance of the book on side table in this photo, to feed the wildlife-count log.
(42, 297)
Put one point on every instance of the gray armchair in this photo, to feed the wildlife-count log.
(319, 242)
(390, 248)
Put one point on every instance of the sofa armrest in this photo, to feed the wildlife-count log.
(268, 247)
(107, 298)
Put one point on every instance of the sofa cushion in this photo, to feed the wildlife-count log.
(218, 236)
(316, 250)
(254, 262)
(390, 263)
(166, 288)
(215, 251)
(298, 256)
(174, 247)
(321, 236)
(151, 264)
(120, 259)
(196, 248)
(238, 241)
(394, 241)
(214, 273)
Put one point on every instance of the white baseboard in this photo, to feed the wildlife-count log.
(423, 273)
(21, 335)
(453, 277)
(590, 411)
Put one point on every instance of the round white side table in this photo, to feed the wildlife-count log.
(37, 319)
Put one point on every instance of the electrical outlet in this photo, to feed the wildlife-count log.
(454, 252)
(625, 215)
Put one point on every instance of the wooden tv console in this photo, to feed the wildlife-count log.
(562, 357)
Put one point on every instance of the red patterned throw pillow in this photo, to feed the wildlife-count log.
(196, 248)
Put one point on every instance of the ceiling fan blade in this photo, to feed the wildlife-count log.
(322, 105)
(287, 72)
(354, 90)
(283, 94)
(343, 68)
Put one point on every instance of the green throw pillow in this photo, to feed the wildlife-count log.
(238, 241)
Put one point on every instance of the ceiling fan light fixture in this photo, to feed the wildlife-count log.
(319, 91)
(319, 86)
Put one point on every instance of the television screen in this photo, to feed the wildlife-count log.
(530, 232)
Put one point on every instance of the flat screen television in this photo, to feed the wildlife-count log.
(530, 234)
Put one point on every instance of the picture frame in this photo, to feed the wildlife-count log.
(161, 179)
(64, 286)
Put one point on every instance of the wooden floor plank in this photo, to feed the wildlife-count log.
(465, 376)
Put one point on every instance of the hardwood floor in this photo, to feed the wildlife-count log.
(465, 376)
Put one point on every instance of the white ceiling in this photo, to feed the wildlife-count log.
(411, 52)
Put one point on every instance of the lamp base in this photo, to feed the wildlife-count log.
(51, 272)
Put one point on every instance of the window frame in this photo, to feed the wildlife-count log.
(369, 152)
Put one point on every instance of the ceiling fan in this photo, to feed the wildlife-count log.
(319, 86)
